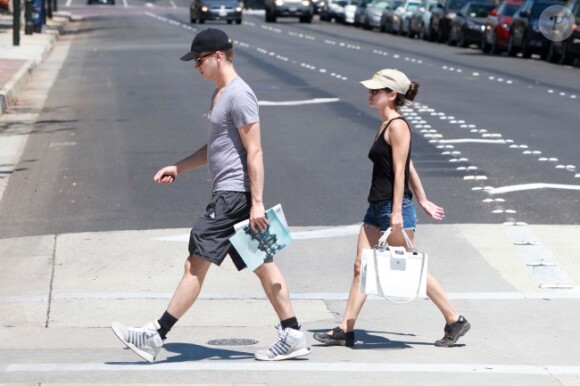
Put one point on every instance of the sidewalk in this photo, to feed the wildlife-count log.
(18, 63)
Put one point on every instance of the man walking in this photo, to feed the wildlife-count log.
(234, 158)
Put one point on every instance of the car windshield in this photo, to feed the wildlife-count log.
(412, 6)
(510, 9)
(480, 10)
(379, 4)
(457, 4)
(538, 8)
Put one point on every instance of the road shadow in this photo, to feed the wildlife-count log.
(188, 352)
(373, 340)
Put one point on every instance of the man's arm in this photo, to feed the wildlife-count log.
(250, 135)
(169, 173)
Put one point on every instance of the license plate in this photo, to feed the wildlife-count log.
(223, 12)
(576, 41)
(293, 9)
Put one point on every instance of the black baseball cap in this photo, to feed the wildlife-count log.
(210, 39)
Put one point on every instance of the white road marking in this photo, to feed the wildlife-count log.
(472, 140)
(302, 366)
(551, 292)
(339, 231)
(533, 186)
(296, 103)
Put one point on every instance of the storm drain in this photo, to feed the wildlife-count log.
(232, 342)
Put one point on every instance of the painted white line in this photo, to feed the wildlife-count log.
(472, 140)
(68, 3)
(302, 366)
(551, 292)
(173, 4)
(533, 186)
(296, 103)
(339, 231)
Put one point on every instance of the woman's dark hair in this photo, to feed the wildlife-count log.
(409, 96)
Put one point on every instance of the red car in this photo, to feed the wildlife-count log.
(497, 27)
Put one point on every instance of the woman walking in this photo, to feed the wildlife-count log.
(394, 180)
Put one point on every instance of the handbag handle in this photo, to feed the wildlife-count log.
(383, 244)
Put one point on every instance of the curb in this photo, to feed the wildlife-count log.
(10, 91)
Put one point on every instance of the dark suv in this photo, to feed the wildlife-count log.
(228, 10)
(302, 9)
(566, 51)
(525, 33)
(441, 17)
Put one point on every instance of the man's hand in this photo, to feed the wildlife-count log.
(166, 175)
(258, 221)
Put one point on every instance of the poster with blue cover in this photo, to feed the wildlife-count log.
(257, 247)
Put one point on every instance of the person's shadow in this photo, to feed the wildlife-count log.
(366, 340)
(188, 352)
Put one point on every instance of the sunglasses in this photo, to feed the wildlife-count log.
(199, 60)
(375, 92)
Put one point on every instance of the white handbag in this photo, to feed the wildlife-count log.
(396, 273)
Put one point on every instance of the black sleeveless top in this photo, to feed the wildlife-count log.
(383, 177)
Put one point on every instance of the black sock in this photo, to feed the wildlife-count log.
(290, 323)
(166, 322)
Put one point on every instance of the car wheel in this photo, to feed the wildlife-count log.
(511, 50)
(565, 57)
(485, 46)
(440, 35)
(238, 21)
(494, 49)
(450, 40)
(462, 42)
(201, 21)
(526, 50)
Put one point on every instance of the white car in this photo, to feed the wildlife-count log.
(402, 16)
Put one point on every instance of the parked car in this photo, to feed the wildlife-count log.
(227, 10)
(468, 25)
(374, 12)
(387, 16)
(525, 34)
(110, 2)
(330, 8)
(420, 19)
(568, 50)
(441, 17)
(349, 11)
(402, 16)
(317, 6)
(302, 9)
(360, 13)
(497, 27)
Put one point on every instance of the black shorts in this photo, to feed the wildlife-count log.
(210, 237)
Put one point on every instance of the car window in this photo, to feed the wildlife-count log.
(457, 4)
(576, 10)
(510, 9)
(480, 10)
(380, 4)
(538, 8)
(412, 6)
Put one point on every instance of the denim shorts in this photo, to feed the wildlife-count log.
(379, 214)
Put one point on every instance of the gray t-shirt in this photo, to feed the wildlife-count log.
(226, 156)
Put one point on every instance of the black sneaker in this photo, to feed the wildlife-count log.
(453, 332)
(337, 338)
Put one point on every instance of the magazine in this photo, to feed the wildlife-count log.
(257, 247)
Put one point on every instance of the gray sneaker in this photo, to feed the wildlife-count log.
(291, 343)
(453, 332)
(144, 341)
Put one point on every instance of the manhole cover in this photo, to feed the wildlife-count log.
(232, 342)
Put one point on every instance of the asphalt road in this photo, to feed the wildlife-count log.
(123, 105)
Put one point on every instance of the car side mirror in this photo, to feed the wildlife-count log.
(459, 14)
(439, 5)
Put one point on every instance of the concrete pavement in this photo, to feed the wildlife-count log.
(517, 285)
